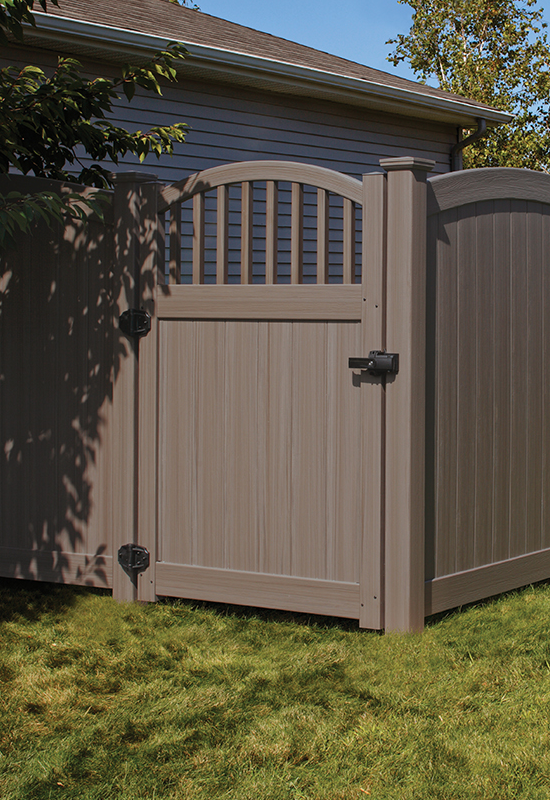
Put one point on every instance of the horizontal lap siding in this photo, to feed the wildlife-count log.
(259, 451)
(229, 124)
(492, 397)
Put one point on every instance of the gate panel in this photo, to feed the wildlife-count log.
(269, 447)
(265, 450)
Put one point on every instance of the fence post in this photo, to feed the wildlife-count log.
(150, 277)
(127, 203)
(405, 392)
(371, 611)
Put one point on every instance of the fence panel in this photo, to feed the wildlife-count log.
(57, 365)
(487, 263)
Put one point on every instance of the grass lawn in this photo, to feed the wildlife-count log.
(100, 700)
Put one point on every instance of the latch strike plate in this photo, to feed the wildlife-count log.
(135, 322)
(378, 363)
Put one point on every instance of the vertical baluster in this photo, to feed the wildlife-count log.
(247, 209)
(297, 234)
(174, 274)
(161, 244)
(349, 241)
(271, 231)
(198, 238)
(322, 235)
(222, 235)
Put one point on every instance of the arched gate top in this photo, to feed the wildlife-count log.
(489, 183)
(242, 171)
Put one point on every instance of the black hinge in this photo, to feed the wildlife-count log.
(133, 558)
(135, 322)
(378, 363)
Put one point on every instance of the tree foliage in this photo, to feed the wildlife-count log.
(492, 51)
(49, 122)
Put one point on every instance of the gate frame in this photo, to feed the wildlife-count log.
(393, 317)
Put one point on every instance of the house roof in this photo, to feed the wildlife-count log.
(225, 51)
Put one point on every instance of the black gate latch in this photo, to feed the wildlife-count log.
(378, 363)
(135, 322)
(133, 558)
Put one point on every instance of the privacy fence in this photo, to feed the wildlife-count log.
(329, 396)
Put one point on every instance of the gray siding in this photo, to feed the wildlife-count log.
(231, 124)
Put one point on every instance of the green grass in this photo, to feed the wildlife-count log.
(100, 700)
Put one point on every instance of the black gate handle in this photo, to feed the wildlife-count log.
(378, 363)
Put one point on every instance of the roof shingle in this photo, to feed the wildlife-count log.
(165, 19)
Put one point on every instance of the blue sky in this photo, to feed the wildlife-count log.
(354, 29)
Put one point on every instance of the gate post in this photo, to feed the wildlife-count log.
(405, 392)
(151, 274)
(127, 207)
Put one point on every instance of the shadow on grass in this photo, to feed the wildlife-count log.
(32, 600)
(270, 615)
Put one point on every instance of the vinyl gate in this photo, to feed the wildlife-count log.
(261, 453)
(233, 442)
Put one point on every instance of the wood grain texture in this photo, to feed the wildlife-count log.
(344, 486)
(466, 397)
(500, 183)
(177, 447)
(54, 566)
(271, 231)
(222, 240)
(174, 273)
(545, 354)
(276, 549)
(373, 330)
(297, 234)
(536, 261)
(198, 238)
(349, 242)
(484, 383)
(247, 232)
(261, 171)
(446, 342)
(309, 456)
(519, 397)
(56, 361)
(241, 446)
(334, 302)
(322, 236)
(147, 478)
(127, 200)
(209, 377)
(502, 348)
(405, 400)
(476, 584)
(256, 461)
(499, 438)
(267, 591)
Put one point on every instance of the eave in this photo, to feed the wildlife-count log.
(209, 63)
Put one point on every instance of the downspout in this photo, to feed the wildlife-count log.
(456, 154)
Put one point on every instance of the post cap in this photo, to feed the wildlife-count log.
(407, 162)
(133, 177)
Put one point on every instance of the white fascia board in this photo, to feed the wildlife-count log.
(316, 82)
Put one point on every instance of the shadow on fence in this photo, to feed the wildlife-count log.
(59, 360)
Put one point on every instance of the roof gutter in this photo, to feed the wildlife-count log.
(456, 152)
(119, 44)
